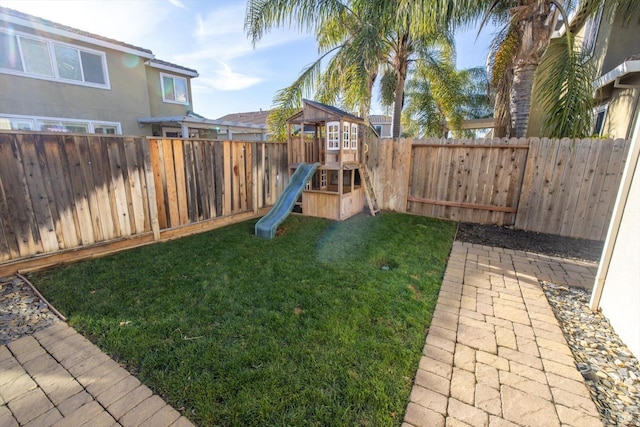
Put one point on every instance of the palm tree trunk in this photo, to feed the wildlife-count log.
(397, 107)
(520, 103)
(401, 65)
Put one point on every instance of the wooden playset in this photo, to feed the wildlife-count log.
(336, 140)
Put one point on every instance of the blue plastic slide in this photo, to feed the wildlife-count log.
(266, 227)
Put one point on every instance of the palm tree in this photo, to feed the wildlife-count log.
(440, 98)
(361, 39)
(523, 45)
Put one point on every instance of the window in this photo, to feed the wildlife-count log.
(354, 136)
(333, 136)
(598, 122)
(36, 57)
(106, 129)
(323, 178)
(174, 89)
(378, 129)
(591, 28)
(8, 123)
(53, 124)
(46, 59)
(346, 129)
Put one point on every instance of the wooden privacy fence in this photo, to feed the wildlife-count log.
(63, 194)
(198, 180)
(565, 187)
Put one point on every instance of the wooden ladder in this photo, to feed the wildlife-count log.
(368, 190)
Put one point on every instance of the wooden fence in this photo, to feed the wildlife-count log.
(65, 196)
(564, 187)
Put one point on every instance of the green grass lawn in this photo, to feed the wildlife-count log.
(304, 329)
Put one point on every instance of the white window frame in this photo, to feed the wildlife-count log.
(333, 136)
(354, 136)
(50, 44)
(174, 78)
(38, 121)
(590, 35)
(173, 130)
(101, 125)
(346, 130)
(601, 109)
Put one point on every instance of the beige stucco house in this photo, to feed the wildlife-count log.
(615, 51)
(58, 78)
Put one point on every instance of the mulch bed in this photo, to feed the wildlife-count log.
(529, 241)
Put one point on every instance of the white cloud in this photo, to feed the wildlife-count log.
(178, 3)
(223, 78)
(221, 32)
(221, 20)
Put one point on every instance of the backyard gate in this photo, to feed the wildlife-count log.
(565, 187)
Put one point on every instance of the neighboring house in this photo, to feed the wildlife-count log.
(615, 50)
(253, 117)
(58, 78)
(382, 125)
(192, 125)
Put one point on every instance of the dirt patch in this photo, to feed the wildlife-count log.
(548, 244)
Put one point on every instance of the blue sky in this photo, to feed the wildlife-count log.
(209, 36)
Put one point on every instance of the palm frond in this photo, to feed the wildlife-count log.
(565, 92)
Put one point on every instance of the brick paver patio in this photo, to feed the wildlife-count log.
(495, 355)
(56, 377)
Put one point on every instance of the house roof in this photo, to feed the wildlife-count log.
(14, 17)
(192, 119)
(330, 109)
(631, 65)
(255, 117)
(168, 66)
(379, 119)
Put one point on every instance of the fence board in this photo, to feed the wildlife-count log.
(205, 179)
(136, 176)
(577, 165)
(609, 191)
(80, 180)
(49, 160)
(22, 213)
(483, 196)
(209, 178)
(157, 162)
(193, 204)
(584, 189)
(96, 176)
(150, 187)
(171, 185)
(179, 170)
(227, 166)
(38, 202)
(18, 236)
(217, 166)
(117, 193)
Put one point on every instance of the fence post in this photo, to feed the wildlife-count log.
(254, 177)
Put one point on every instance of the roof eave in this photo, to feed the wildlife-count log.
(627, 67)
(178, 70)
(75, 36)
(194, 121)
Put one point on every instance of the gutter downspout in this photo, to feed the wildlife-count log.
(616, 218)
